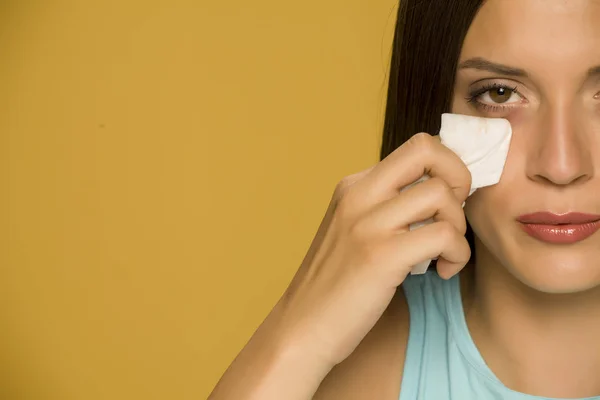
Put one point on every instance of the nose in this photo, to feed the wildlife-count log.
(561, 152)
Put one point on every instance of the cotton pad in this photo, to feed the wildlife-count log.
(482, 144)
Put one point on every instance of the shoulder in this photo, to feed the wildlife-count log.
(375, 368)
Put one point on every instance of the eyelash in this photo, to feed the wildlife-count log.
(474, 95)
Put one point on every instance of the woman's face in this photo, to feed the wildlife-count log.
(548, 86)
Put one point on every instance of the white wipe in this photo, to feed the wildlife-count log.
(482, 144)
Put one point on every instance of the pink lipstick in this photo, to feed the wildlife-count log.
(560, 229)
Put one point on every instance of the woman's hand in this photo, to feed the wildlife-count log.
(364, 250)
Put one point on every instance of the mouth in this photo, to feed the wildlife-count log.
(560, 228)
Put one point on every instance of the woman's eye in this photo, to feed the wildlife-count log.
(500, 95)
(496, 98)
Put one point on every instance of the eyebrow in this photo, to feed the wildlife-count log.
(594, 72)
(486, 65)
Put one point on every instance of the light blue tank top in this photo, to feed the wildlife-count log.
(442, 361)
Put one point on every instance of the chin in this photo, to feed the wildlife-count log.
(544, 267)
(556, 272)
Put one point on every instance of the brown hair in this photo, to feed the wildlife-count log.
(427, 42)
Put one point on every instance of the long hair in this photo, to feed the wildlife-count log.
(427, 43)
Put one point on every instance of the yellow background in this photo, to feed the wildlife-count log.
(164, 166)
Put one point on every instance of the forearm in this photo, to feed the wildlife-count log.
(271, 368)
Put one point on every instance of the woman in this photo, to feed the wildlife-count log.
(522, 319)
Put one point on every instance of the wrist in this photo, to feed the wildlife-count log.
(295, 373)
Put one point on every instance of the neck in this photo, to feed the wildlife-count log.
(536, 343)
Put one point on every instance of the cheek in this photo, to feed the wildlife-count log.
(517, 118)
(486, 213)
(498, 202)
(478, 207)
(499, 197)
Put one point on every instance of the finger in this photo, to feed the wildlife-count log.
(421, 154)
(439, 239)
(430, 199)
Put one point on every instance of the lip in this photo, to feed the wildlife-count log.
(560, 228)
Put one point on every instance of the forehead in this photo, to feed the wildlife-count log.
(534, 34)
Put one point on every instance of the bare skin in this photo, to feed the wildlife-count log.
(353, 269)
(550, 292)
(533, 309)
